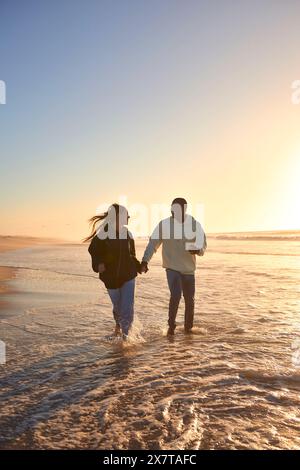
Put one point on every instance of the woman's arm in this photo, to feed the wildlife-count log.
(97, 251)
(133, 254)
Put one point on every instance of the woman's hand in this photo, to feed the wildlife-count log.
(144, 267)
(101, 268)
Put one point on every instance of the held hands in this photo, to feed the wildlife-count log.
(144, 267)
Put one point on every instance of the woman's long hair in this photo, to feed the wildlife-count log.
(113, 210)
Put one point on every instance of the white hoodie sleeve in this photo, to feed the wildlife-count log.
(154, 243)
(200, 236)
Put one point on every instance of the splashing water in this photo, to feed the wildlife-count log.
(232, 384)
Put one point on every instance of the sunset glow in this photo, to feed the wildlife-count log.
(153, 114)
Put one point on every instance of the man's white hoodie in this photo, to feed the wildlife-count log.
(177, 239)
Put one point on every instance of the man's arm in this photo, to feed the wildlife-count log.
(205, 242)
(200, 235)
(202, 250)
(154, 243)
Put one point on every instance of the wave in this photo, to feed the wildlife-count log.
(257, 237)
(231, 252)
(270, 378)
(48, 271)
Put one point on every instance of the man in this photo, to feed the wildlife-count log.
(182, 238)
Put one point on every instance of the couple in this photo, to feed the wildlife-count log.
(113, 255)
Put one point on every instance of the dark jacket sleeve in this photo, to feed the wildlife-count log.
(96, 250)
(133, 255)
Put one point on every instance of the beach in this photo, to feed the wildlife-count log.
(233, 384)
(6, 244)
(10, 243)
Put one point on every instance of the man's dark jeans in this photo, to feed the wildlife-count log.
(181, 284)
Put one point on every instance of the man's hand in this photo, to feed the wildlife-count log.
(144, 267)
(101, 268)
(194, 252)
(197, 252)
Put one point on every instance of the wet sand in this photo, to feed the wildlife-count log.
(5, 275)
(233, 384)
(10, 243)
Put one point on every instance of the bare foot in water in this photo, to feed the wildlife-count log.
(117, 331)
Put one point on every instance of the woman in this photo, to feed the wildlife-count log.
(113, 256)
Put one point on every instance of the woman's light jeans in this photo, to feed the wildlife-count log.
(123, 305)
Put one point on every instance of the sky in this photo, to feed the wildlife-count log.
(149, 100)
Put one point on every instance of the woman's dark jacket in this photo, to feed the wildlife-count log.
(118, 256)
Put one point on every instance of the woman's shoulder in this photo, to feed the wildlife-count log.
(96, 243)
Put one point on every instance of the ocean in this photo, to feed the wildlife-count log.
(233, 384)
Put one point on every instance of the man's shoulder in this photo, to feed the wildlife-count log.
(161, 228)
(195, 222)
(165, 221)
